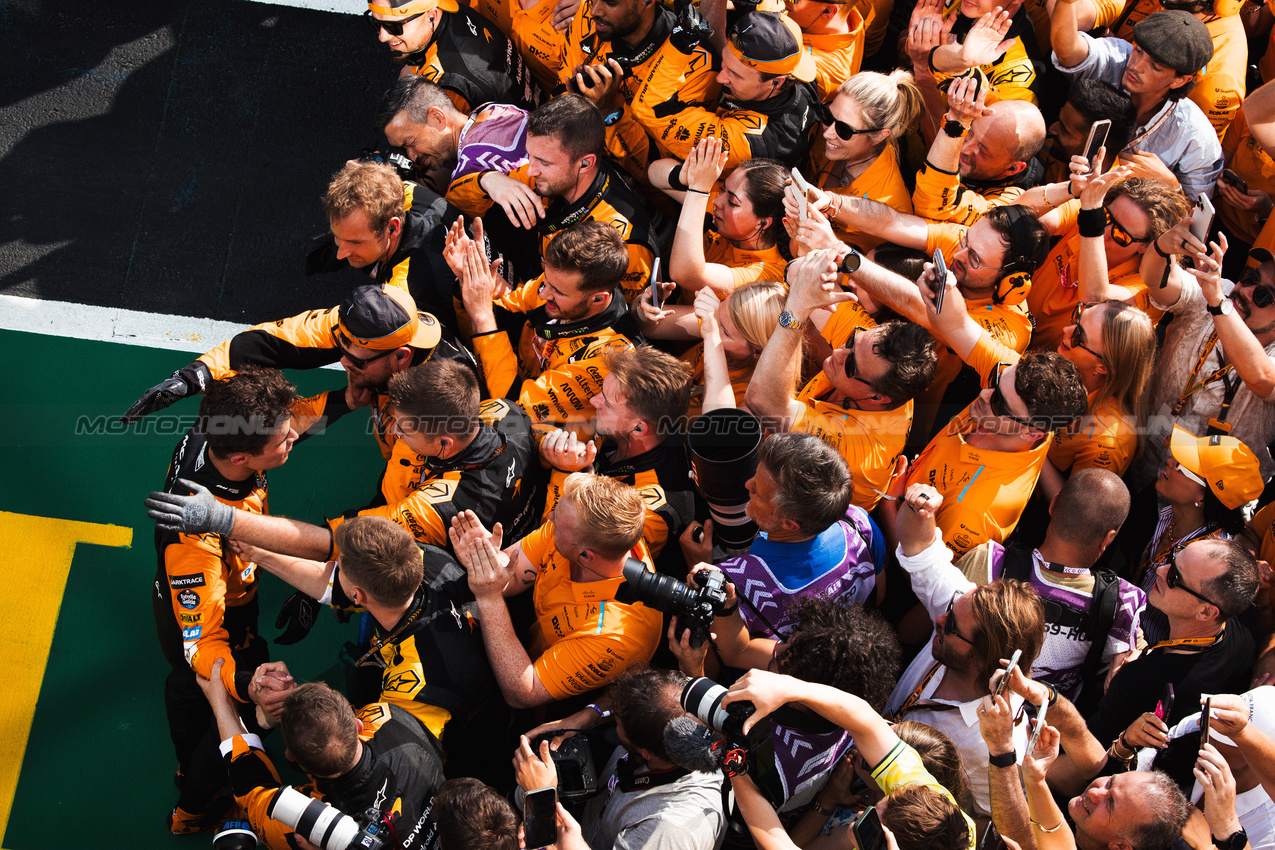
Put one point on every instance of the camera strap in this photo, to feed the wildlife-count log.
(628, 779)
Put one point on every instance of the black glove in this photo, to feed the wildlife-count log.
(299, 614)
(186, 381)
(690, 29)
(322, 258)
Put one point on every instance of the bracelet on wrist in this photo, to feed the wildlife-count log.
(1053, 697)
(1047, 829)
(1008, 759)
(696, 192)
(820, 808)
(1156, 245)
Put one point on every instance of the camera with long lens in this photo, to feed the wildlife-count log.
(703, 698)
(395, 157)
(694, 606)
(326, 826)
(723, 446)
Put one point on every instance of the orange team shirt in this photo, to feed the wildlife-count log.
(739, 378)
(848, 316)
(941, 197)
(984, 491)
(838, 55)
(582, 638)
(558, 376)
(882, 181)
(1009, 323)
(1220, 85)
(1264, 525)
(1250, 161)
(869, 440)
(745, 266)
(1105, 438)
(1055, 286)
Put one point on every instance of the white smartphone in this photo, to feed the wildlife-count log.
(1201, 218)
(1040, 724)
(804, 188)
(1097, 138)
(1003, 684)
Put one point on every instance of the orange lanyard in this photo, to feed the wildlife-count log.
(1192, 386)
(916, 694)
(1208, 641)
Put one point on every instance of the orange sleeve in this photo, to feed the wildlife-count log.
(987, 354)
(303, 341)
(561, 395)
(425, 508)
(468, 195)
(197, 590)
(940, 197)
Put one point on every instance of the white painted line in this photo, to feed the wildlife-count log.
(113, 324)
(344, 7)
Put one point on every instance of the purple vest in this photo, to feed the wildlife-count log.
(493, 139)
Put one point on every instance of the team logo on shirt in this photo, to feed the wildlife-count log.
(188, 599)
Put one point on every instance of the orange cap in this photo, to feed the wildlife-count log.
(1230, 467)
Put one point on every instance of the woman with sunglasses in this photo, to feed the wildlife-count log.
(1206, 482)
(732, 333)
(747, 241)
(858, 152)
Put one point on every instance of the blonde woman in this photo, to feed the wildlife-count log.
(858, 151)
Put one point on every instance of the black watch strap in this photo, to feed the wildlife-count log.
(1008, 759)
(1235, 841)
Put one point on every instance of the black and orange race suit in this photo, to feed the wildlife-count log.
(308, 341)
(417, 264)
(609, 199)
(398, 772)
(205, 604)
(558, 367)
(780, 127)
(432, 662)
(496, 476)
(661, 475)
(473, 61)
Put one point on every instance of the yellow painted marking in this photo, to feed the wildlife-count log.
(33, 572)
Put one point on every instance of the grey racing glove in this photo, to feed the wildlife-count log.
(198, 513)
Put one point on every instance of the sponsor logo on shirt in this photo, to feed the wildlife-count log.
(179, 582)
(188, 599)
(192, 633)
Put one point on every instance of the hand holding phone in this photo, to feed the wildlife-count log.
(940, 280)
(1205, 720)
(657, 295)
(868, 832)
(1097, 138)
(1003, 684)
(804, 189)
(540, 818)
(1229, 176)
(1038, 725)
(1202, 218)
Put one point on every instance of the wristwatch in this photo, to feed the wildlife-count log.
(1225, 308)
(788, 320)
(1235, 841)
(954, 128)
(851, 262)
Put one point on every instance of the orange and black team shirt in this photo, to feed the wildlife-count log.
(400, 770)
(558, 366)
(433, 663)
(206, 595)
(474, 63)
(496, 476)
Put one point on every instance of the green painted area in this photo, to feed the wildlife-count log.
(98, 759)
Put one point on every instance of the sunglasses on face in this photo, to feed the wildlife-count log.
(1173, 578)
(391, 27)
(949, 623)
(1119, 234)
(844, 131)
(341, 341)
(1078, 337)
(999, 404)
(1263, 296)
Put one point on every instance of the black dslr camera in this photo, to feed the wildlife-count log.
(397, 158)
(694, 606)
(577, 773)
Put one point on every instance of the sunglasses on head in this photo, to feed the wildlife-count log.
(844, 131)
(1119, 234)
(340, 340)
(391, 27)
(1263, 296)
(1173, 578)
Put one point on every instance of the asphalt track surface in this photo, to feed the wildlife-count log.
(165, 157)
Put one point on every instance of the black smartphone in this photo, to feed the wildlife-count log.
(1165, 705)
(868, 833)
(1235, 180)
(1097, 138)
(940, 280)
(540, 817)
(1204, 721)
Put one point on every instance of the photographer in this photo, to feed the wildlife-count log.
(650, 801)
(919, 812)
(845, 647)
(812, 541)
(382, 759)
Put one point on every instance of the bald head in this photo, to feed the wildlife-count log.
(1001, 144)
(1090, 506)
